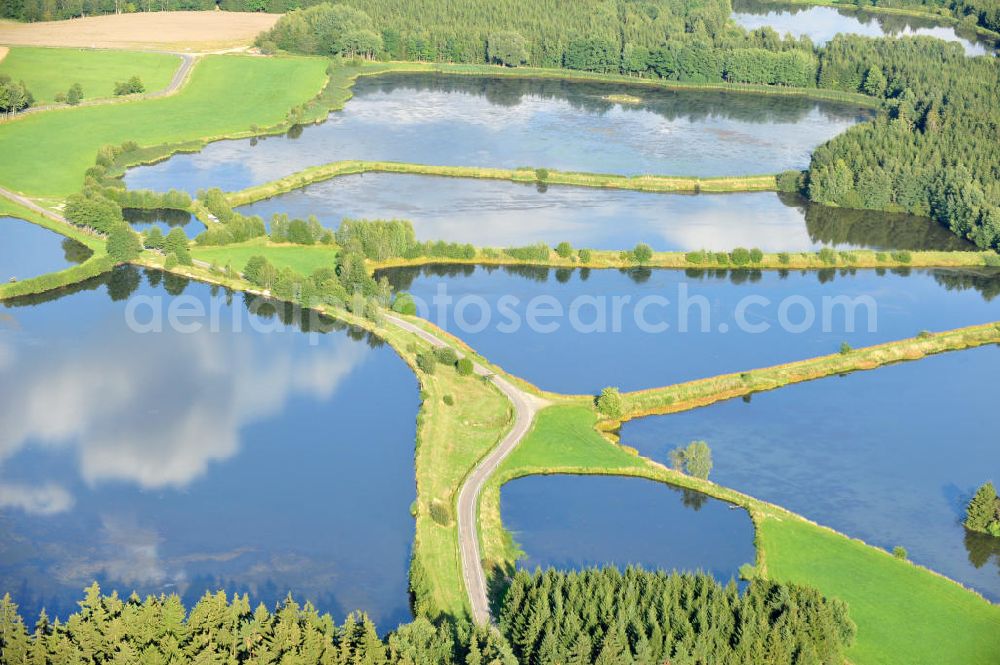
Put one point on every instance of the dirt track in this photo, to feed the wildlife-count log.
(169, 31)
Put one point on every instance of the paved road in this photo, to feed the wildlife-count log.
(31, 205)
(525, 408)
(179, 79)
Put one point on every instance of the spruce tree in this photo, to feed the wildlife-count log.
(982, 510)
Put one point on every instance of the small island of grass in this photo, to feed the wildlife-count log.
(623, 99)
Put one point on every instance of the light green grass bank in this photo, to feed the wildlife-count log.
(50, 71)
(640, 183)
(303, 259)
(228, 95)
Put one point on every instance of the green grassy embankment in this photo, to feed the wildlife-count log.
(701, 392)
(303, 259)
(50, 71)
(642, 183)
(227, 96)
(906, 615)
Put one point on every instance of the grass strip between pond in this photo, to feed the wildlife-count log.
(639, 183)
(701, 392)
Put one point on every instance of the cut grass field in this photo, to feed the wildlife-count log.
(188, 31)
(906, 614)
(303, 259)
(50, 71)
(226, 96)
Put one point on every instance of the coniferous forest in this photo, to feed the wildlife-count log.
(600, 616)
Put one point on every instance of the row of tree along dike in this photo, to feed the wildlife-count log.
(602, 616)
(388, 243)
(366, 244)
(392, 243)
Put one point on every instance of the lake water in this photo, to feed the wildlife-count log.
(28, 250)
(165, 219)
(890, 456)
(820, 24)
(265, 461)
(505, 122)
(577, 331)
(574, 522)
(491, 213)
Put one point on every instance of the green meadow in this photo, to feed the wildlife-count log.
(50, 71)
(227, 95)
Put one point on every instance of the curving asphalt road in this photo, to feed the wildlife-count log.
(525, 408)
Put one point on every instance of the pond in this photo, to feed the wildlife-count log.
(508, 122)
(890, 456)
(491, 213)
(820, 24)
(166, 219)
(28, 250)
(576, 331)
(574, 522)
(246, 455)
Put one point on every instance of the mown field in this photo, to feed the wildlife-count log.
(50, 71)
(302, 259)
(227, 95)
(905, 614)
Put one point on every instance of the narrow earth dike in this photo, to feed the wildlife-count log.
(542, 176)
